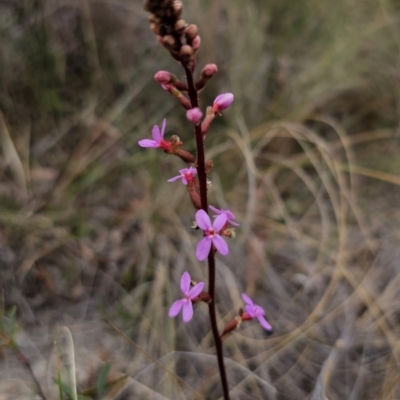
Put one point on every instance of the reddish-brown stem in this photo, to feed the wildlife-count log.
(201, 173)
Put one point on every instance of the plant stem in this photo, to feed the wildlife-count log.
(28, 366)
(201, 173)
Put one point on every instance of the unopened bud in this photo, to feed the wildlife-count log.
(194, 115)
(222, 102)
(163, 77)
(206, 73)
(209, 70)
(191, 32)
(168, 40)
(186, 51)
(178, 7)
(180, 25)
(196, 43)
(155, 28)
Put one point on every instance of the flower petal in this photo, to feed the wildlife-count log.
(148, 143)
(203, 248)
(203, 220)
(258, 310)
(215, 209)
(187, 312)
(163, 127)
(184, 180)
(175, 178)
(264, 323)
(250, 310)
(219, 222)
(175, 308)
(220, 245)
(247, 299)
(185, 283)
(196, 290)
(233, 223)
(156, 134)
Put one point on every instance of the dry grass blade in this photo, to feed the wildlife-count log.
(12, 158)
(67, 353)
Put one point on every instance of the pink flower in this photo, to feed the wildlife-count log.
(185, 304)
(211, 235)
(186, 174)
(230, 216)
(255, 311)
(158, 137)
(222, 102)
(194, 115)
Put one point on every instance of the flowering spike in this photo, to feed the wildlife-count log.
(185, 304)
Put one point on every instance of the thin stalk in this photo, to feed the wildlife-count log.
(28, 366)
(201, 173)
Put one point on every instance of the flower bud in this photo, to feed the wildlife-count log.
(155, 28)
(196, 43)
(168, 40)
(194, 115)
(209, 70)
(178, 7)
(222, 102)
(206, 73)
(186, 50)
(191, 32)
(163, 77)
(180, 26)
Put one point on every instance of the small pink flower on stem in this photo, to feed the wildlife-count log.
(194, 115)
(158, 139)
(255, 311)
(230, 216)
(186, 174)
(222, 102)
(185, 304)
(211, 235)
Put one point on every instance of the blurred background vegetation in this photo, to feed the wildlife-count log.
(307, 158)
